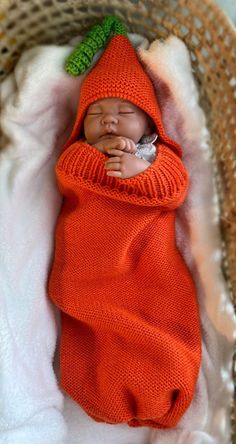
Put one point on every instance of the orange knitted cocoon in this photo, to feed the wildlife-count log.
(130, 338)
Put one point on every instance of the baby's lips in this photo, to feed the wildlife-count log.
(108, 135)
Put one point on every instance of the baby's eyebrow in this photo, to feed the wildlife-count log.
(130, 104)
(93, 108)
(126, 105)
(125, 102)
(94, 105)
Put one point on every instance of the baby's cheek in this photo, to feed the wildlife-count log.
(91, 131)
(136, 131)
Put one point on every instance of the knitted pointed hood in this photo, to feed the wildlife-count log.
(118, 73)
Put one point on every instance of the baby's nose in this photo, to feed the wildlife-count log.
(109, 118)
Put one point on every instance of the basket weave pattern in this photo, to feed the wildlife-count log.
(211, 40)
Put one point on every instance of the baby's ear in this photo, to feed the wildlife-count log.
(147, 131)
(150, 127)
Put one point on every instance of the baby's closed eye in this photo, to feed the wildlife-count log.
(126, 112)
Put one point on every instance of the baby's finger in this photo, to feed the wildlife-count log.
(121, 144)
(128, 145)
(114, 173)
(113, 166)
(111, 144)
(114, 152)
(117, 143)
(113, 159)
(131, 146)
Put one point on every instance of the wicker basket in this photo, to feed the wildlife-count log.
(210, 38)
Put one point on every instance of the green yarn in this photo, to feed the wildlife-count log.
(80, 58)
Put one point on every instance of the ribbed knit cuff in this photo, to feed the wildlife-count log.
(163, 184)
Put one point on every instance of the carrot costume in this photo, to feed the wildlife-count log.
(130, 338)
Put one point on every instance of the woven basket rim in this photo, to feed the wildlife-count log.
(220, 18)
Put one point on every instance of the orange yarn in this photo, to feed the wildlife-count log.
(119, 73)
(130, 337)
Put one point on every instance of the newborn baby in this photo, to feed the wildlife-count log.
(130, 346)
(116, 127)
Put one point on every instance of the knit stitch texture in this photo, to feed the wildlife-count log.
(119, 73)
(130, 337)
(130, 341)
(95, 39)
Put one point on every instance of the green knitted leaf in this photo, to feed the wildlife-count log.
(81, 57)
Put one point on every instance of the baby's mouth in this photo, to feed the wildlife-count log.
(107, 135)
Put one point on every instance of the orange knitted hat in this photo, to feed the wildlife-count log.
(118, 73)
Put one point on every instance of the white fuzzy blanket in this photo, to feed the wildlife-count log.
(38, 105)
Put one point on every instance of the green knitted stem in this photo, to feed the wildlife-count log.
(81, 57)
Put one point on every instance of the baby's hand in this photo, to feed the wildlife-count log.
(118, 143)
(124, 165)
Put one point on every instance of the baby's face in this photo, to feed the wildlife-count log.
(115, 117)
